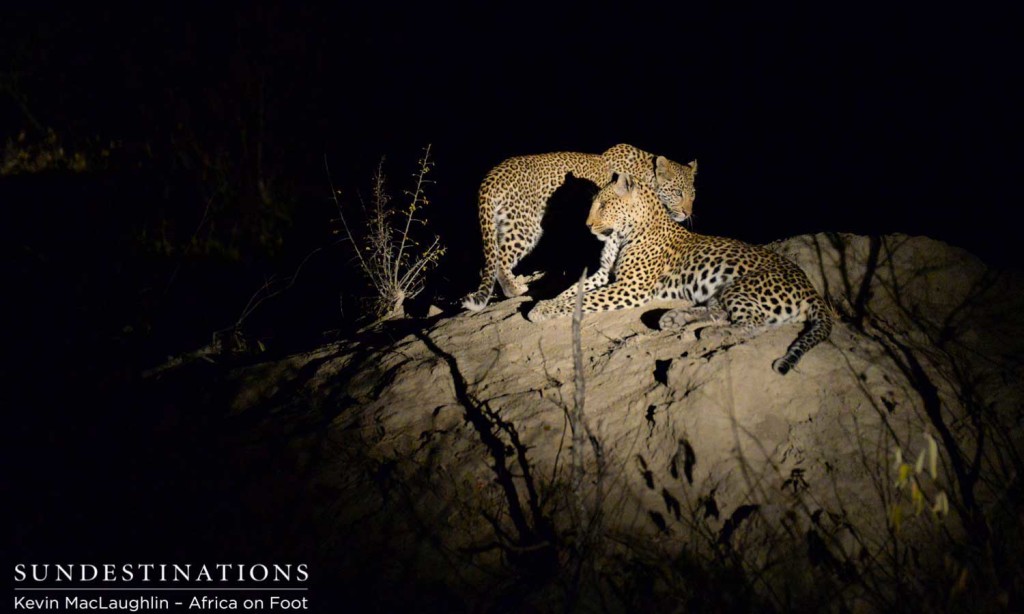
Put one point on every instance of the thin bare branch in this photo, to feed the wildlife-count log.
(341, 215)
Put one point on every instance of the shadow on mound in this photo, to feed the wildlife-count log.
(651, 318)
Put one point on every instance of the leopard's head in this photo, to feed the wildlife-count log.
(674, 185)
(618, 208)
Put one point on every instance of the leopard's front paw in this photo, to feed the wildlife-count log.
(532, 277)
(476, 301)
(540, 312)
(512, 285)
(676, 319)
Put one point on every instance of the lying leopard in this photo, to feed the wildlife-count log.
(724, 281)
(514, 196)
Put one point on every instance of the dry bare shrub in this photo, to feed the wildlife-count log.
(391, 258)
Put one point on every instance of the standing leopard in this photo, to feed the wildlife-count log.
(723, 281)
(514, 196)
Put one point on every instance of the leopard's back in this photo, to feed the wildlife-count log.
(522, 185)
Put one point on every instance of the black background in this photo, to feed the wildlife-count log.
(848, 118)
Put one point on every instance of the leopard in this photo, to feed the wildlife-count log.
(720, 281)
(514, 195)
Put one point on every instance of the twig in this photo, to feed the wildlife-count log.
(416, 195)
(251, 306)
(341, 215)
(191, 241)
(576, 415)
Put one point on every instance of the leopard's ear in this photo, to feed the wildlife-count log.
(623, 185)
(693, 167)
(664, 169)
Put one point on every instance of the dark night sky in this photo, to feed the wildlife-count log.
(858, 120)
(855, 118)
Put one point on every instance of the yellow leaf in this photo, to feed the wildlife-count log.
(903, 475)
(933, 455)
(941, 505)
(896, 517)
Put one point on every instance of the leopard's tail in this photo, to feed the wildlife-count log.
(817, 328)
(489, 233)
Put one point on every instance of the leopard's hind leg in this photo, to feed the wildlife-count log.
(479, 299)
(518, 234)
(491, 233)
(751, 306)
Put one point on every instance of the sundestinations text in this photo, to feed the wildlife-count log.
(159, 573)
